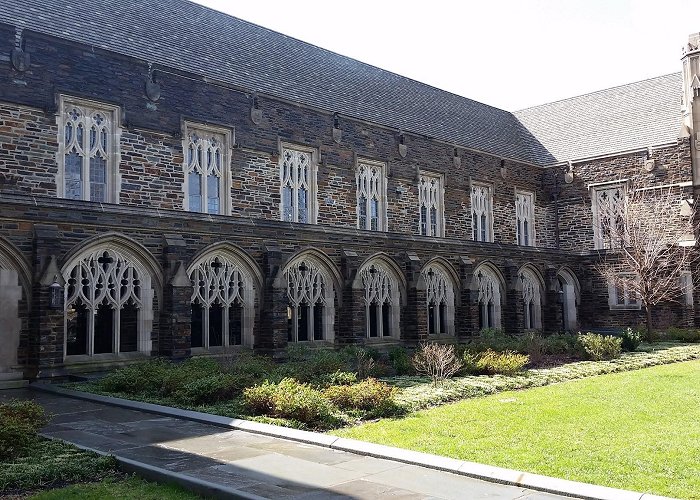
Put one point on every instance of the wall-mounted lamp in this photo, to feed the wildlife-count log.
(55, 294)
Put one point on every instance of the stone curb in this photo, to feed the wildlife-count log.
(478, 471)
(157, 474)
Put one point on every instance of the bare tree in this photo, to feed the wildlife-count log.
(650, 237)
(438, 361)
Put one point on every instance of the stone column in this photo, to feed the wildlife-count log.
(272, 339)
(512, 309)
(466, 309)
(352, 317)
(175, 339)
(552, 300)
(415, 326)
(10, 326)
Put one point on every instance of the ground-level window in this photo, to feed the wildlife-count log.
(686, 286)
(311, 296)
(489, 298)
(440, 300)
(222, 302)
(567, 286)
(108, 300)
(532, 302)
(382, 301)
(621, 293)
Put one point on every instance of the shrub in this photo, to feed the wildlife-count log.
(631, 339)
(370, 395)
(494, 339)
(138, 378)
(308, 365)
(178, 375)
(212, 388)
(400, 361)
(599, 347)
(19, 423)
(683, 334)
(505, 363)
(438, 361)
(562, 344)
(290, 399)
(251, 365)
(533, 345)
(338, 378)
(365, 363)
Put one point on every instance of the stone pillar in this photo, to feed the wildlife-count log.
(47, 330)
(466, 308)
(352, 317)
(512, 308)
(272, 339)
(552, 301)
(415, 325)
(176, 311)
(10, 326)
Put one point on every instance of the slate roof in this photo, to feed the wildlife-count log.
(196, 39)
(621, 118)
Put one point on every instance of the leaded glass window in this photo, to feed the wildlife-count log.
(489, 298)
(525, 218)
(88, 140)
(298, 185)
(532, 315)
(431, 210)
(371, 196)
(382, 301)
(310, 294)
(482, 212)
(440, 301)
(206, 170)
(608, 216)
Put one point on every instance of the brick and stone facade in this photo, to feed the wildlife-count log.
(41, 233)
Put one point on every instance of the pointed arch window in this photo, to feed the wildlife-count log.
(223, 301)
(431, 209)
(88, 137)
(440, 301)
(108, 305)
(567, 289)
(532, 302)
(382, 301)
(608, 215)
(525, 218)
(371, 195)
(310, 312)
(489, 299)
(298, 185)
(207, 183)
(482, 212)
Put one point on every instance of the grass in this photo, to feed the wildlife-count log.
(637, 430)
(52, 462)
(132, 488)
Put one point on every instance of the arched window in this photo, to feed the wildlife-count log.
(440, 300)
(310, 313)
(108, 304)
(489, 298)
(532, 303)
(382, 301)
(223, 301)
(568, 298)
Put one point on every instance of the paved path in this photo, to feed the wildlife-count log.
(253, 465)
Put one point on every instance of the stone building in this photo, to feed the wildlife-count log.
(198, 183)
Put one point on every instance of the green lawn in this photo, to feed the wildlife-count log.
(636, 430)
(110, 489)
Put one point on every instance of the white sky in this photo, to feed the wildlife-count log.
(508, 53)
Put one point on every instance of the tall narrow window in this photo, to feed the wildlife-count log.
(525, 218)
(298, 185)
(222, 300)
(489, 299)
(382, 301)
(207, 172)
(310, 294)
(108, 303)
(371, 196)
(431, 210)
(532, 302)
(608, 215)
(482, 212)
(88, 144)
(440, 301)
(621, 294)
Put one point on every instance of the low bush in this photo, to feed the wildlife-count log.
(292, 400)
(138, 378)
(690, 335)
(400, 361)
(631, 339)
(338, 378)
(213, 388)
(438, 361)
(600, 347)
(307, 365)
(370, 396)
(19, 423)
(504, 363)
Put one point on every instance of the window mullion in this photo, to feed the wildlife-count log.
(116, 329)
(86, 155)
(205, 327)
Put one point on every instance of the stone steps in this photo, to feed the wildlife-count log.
(12, 380)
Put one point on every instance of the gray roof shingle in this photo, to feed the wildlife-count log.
(617, 119)
(193, 38)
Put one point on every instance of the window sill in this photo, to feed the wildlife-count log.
(625, 308)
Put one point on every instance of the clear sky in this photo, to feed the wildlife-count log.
(508, 53)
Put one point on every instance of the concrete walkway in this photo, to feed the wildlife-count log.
(235, 463)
